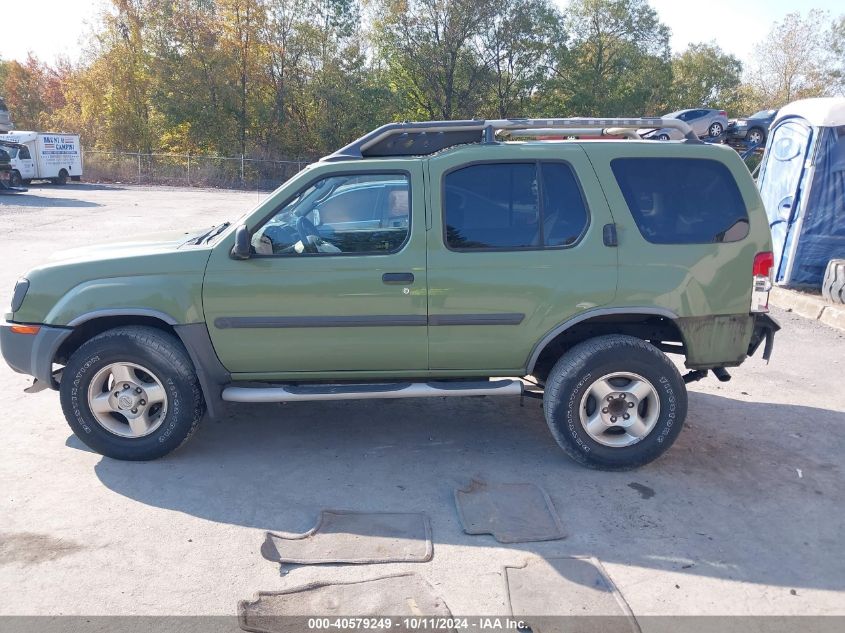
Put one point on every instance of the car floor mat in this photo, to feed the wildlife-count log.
(395, 597)
(512, 513)
(356, 538)
(554, 595)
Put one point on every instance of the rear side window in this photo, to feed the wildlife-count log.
(682, 201)
(511, 206)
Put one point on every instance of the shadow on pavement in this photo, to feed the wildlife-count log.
(750, 491)
(44, 202)
(81, 186)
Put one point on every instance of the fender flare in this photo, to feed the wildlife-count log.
(585, 316)
(211, 373)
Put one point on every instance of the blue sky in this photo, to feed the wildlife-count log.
(735, 25)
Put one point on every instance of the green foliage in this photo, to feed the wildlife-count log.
(705, 76)
(797, 60)
(617, 63)
(298, 78)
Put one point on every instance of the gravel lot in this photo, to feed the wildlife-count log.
(744, 515)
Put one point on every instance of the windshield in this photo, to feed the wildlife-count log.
(762, 114)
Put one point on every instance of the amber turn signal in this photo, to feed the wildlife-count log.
(26, 329)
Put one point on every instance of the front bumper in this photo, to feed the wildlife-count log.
(32, 354)
(764, 330)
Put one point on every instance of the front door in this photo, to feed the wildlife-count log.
(336, 286)
(515, 250)
(26, 163)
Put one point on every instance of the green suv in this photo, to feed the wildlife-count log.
(455, 258)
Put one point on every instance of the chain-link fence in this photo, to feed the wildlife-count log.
(188, 170)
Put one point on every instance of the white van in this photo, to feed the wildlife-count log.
(43, 156)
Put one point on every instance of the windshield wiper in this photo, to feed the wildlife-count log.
(212, 232)
(217, 230)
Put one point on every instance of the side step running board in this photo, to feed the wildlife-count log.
(299, 393)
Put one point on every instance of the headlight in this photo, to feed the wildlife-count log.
(20, 292)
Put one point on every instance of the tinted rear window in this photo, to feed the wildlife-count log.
(682, 201)
(513, 206)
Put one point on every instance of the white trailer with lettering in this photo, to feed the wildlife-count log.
(44, 156)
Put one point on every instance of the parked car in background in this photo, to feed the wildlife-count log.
(704, 122)
(753, 130)
(5, 120)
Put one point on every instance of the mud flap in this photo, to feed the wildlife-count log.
(764, 330)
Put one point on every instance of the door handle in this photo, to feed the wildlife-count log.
(398, 278)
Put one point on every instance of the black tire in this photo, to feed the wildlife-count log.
(756, 133)
(62, 179)
(580, 367)
(833, 285)
(166, 358)
(15, 179)
(27, 182)
(715, 130)
(662, 137)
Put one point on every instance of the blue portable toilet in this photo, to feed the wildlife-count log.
(802, 183)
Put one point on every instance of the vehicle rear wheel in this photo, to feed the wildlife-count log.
(715, 129)
(62, 179)
(132, 393)
(833, 284)
(615, 402)
(756, 136)
(15, 179)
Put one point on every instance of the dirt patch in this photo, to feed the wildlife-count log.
(30, 548)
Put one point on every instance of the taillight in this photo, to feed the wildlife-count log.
(762, 281)
(723, 113)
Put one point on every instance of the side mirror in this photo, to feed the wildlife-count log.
(242, 248)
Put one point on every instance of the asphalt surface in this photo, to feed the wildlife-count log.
(744, 515)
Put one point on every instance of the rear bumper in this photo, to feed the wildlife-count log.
(32, 353)
(763, 334)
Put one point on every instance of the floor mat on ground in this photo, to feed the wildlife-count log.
(355, 537)
(397, 596)
(567, 594)
(512, 513)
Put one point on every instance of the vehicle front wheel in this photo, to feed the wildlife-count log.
(15, 179)
(756, 136)
(132, 393)
(615, 402)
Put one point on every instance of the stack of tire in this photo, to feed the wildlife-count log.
(833, 286)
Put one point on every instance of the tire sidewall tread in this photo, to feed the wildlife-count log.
(160, 352)
(588, 361)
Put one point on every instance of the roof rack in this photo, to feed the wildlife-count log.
(426, 137)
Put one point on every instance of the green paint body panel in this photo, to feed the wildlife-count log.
(325, 286)
(707, 286)
(153, 274)
(547, 286)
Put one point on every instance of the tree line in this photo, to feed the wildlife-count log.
(290, 78)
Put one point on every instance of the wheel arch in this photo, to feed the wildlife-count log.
(194, 336)
(647, 323)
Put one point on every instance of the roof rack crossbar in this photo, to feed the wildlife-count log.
(426, 137)
(583, 131)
